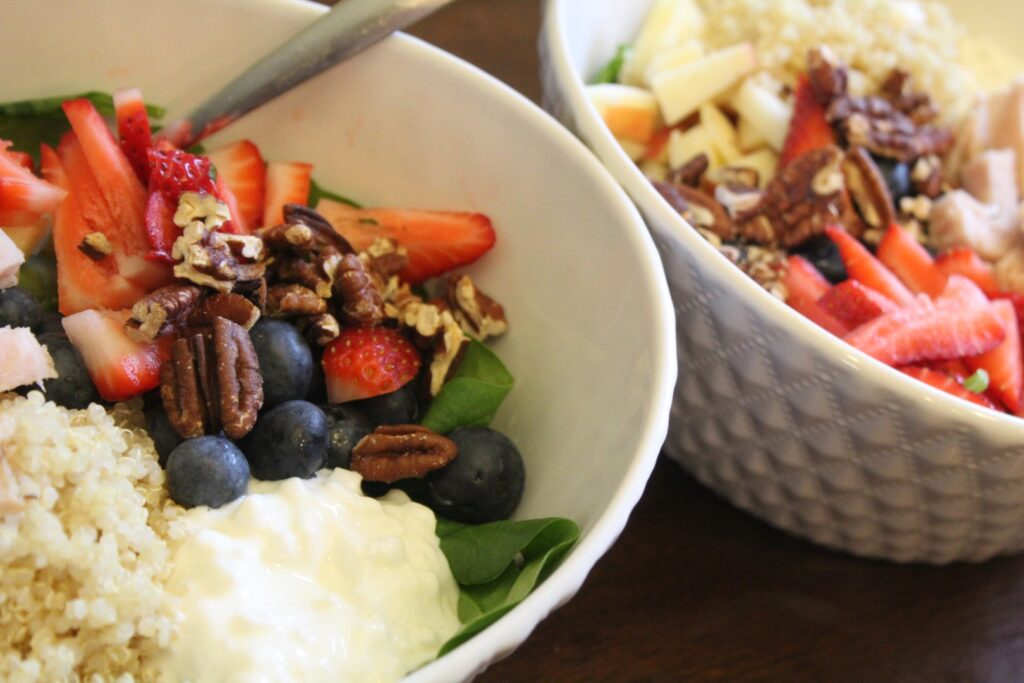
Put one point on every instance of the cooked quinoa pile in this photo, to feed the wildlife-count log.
(872, 37)
(82, 565)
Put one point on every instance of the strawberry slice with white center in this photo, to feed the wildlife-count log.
(240, 166)
(24, 198)
(436, 241)
(133, 129)
(368, 361)
(119, 367)
(287, 182)
(1004, 364)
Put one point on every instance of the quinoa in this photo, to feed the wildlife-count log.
(82, 567)
(871, 36)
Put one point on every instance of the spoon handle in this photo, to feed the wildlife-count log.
(348, 28)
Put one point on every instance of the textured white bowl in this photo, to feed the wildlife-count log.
(590, 341)
(777, 415)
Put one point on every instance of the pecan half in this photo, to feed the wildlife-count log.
(876, 124)
(205, 258)
(476, 313)
(828, 78)
(294, 300)
(255, 291)
(305, 270)
(320, 329)
(692, 171)
(385, 258)
(361, 300)
(393, 452)
(868, 189)
(212, 381)
(163, 312)
(324, 231)
(699, 209)
(234, 307)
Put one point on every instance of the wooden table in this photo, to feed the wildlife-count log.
(695, 590)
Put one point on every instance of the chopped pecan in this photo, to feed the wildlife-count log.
(205, 258)
(737, 176)
(203, 208)
(96, 246)
(294, 300)
(306, 271)
(868, 188)
(234, 307)
(361, 300)
(255, 291)
(433, 327)
(325, 232)
(899, 90)
(296, 236)
(320, 329)
(699, 209)
(212, 382)
(876, 124)
(244, 247)
(476, 313)
(385, 258)
(691, 172)
(393, 452)
(741, 201)
(163, 312)
(926, 176)
(827, 76)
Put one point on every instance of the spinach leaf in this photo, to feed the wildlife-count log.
(609, 73)
(473, 394)
(318, 192)
(499, 564)
(28, 123)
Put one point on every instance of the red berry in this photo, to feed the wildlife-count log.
(174, 171)
(364, 362)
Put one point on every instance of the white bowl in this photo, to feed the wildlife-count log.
(590, 341)
(777, 415)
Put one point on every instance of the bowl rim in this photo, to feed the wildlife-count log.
(665, 220)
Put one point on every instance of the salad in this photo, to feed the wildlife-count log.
(862, 176)
(214, 334)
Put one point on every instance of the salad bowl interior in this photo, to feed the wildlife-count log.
(402, 125)
(774, 413)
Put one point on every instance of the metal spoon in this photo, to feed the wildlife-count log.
(349, 27)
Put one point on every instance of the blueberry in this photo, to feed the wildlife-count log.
(346, 425)
(165, 439)
(396, 408)
(18, 308)
(208, 470)
(72, 388)
(897, 177)
(823, 254)
(287, 441)
(318, 384)
(484, 482)
(286, 362)
(51, 322)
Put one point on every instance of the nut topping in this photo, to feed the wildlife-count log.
(477, 313)
(699, 209)
(96, 246)
(163, 312)
(294, 300)
(233, 307)
(868, 189)
(393, 452)
(212, 382)
(205, 258)
(692, 171)
(361, 301)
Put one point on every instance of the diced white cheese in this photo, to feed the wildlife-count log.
(723, 135)
(764, 111)
(685, 145)
(681, 91)
(673, 57)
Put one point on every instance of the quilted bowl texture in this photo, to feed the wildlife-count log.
(775, 414)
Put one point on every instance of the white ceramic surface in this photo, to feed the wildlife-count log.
(590, 341)
(777, 415)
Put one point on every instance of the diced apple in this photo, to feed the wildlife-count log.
(685, 145)
(654, 170)
(764, 161)
(682, 90)
(672, 58)
(723, 135)
(670, 22)
(630, 113)
(748, 136)
(765, 111)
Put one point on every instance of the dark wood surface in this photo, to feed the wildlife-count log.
(695, 590)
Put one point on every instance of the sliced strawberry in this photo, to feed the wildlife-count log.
(120, 189)
(174, 171)
(160, 227)
(805, 285)
(953, 327)
(368, 361)
(956, 368)
(965, 261)
(809, 128)
(287, 182)
(23, 159)
(133, 129)
(853, 303)
(1004, 364)
(241, 167)
(120, 367)
(910, 261)
(866, 269)
(235, 225)
(941, 380)
(24, 198)
(81, 282)
(436, 241)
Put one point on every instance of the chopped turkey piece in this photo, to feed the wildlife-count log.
(11, 259)
(958, 219)
(991, 178)
(23, 360)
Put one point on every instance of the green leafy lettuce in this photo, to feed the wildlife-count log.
(318, 192)
(498, 564)
(609, 73)
(29, 123)
(473, 394)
